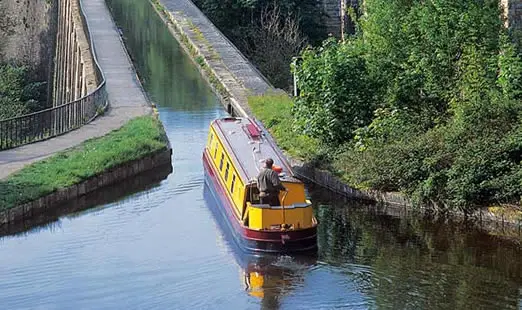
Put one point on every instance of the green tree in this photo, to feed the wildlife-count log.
(336, 96)
(426, 98)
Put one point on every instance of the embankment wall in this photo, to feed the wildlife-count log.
(109, 177)
(74, 66)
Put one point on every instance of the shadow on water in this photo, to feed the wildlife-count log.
(266, 277)
(106, 195)
(414, 262)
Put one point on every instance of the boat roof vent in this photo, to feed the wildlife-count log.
(253, 131)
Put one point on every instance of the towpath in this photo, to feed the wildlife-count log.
(126, 97)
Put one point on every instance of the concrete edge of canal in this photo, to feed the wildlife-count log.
(106, 178)
(233, 78)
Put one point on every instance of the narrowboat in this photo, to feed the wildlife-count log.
(268, 277)
(232, 158)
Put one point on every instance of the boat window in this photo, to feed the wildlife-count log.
(233, 183)
(226, 171)
(211, 139)
(215, 150)
(221, 161)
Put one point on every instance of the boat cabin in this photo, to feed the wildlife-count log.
(236, 150)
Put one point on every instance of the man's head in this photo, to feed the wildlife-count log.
(269, 162)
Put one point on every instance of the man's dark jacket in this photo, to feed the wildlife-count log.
(268, 183)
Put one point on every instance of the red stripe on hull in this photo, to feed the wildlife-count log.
(257, 240)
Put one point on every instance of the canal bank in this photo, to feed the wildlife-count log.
(142, 182)
(232, 77)
(48, 204)
(235, 79)
(138, 146)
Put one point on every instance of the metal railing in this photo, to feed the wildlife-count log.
(61, 119)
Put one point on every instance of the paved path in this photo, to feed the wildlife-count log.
(126, 97)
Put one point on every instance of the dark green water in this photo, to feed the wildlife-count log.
(151, 244)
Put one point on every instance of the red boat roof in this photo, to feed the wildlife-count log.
(248, 145)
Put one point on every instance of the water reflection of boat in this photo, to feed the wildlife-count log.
(270, 276)
(231, 159)
(266, 276)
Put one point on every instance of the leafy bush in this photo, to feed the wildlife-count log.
(474, 160)
(18, 95)
(426, 99)
(335, 96)
(275, 111)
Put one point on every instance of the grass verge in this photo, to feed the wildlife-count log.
(138, 138)
(275, 112)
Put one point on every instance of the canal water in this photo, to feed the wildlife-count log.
(153, 243)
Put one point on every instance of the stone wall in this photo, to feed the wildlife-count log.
(102, 196)
(49, 37)
(74, 67)
(27, 34)
(332, 8)
(337, 22)
(512, 13)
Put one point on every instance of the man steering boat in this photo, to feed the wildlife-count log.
(269, 184)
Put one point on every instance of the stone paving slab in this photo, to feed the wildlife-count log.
(126, 97)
